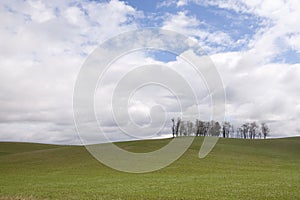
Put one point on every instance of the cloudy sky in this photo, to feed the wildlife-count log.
(255, 46)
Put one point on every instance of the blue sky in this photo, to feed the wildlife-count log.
(255, 46)
(237, 25)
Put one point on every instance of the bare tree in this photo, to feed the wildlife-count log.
(245, 130)
(265, 130)
(206, 128)
(226, 128)
(200, 128)
(173, 127)
(203, 128)
(182, 129)
(214, 128)
(252, 130)
(177, 126)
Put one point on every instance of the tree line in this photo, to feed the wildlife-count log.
(251, 130)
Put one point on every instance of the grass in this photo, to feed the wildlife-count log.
(235, 169)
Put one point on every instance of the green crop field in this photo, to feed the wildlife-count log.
(235, 169)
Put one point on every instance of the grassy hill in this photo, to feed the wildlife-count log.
(235, 169)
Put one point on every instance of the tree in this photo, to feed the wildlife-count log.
(182, 129)
(252, 130)
(200, 128)
(239, 132)
(177, 126)
(226, 128)
(203, 128)
(245, 130)
(215, 128)
(173, 127)
(265, 130)
(224, 131)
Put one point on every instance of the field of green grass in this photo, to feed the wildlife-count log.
(235, 169)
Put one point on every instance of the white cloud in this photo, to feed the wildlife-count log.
(42, 47)
(181, 22)
(280, 24)
(210, 40)
(262, 93)
(259, 88)
(182, 3)
(44, 43)
(150, 105)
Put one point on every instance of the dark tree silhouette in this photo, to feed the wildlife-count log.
(177, 126)
(252, 130)
(183, 129)
(213, 128)
(173, 127)
(226, 129)
(265, 130)
(245, 130)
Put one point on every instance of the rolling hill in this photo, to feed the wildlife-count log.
(235, 169)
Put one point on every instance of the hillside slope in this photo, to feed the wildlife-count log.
(235, 169)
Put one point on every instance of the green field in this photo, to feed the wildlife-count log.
(235, 169)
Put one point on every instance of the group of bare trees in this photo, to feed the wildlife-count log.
(251, 130)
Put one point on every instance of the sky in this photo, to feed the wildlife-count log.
(255, 46)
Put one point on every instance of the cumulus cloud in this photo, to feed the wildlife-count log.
(158, 91)
(259, 85)
(210, 40)
(44, 43)
(264, 92)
